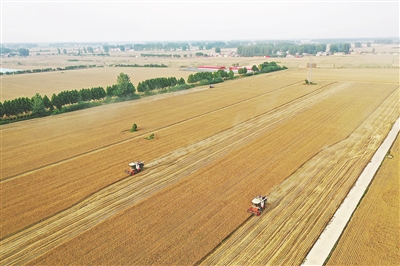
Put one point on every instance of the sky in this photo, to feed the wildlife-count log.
(133, 21)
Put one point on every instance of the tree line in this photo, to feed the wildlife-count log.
(268, 67)
(160, 55)
(272, 49)
(265, 67)
(159, 83)
(137, 65)
(38, 70)
(38, 105)
(383, 41)
(76, 99)
(340, 48)
(12, 52)
(210, 77)
(282, 49)
(170, 46)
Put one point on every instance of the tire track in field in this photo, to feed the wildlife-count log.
(301, 205)
(79, 156)
(43, 236)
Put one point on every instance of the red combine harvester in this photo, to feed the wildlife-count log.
(258, 205)
(136, 167)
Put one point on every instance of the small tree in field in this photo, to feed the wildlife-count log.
(134, 128)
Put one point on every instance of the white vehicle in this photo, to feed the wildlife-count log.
(258, 205)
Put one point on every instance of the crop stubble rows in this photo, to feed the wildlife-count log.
(311, 195)
(30, 198)
(183, 227)
(220, 178)
(33, 196)
(373, 233)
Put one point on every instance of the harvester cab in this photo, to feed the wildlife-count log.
(258, 205)
(135, 167)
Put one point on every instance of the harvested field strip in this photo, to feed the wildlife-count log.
(57, 147)
(326, 241)
(303, 204)
(372, 235)
(131, 190)
(38, 195)
(172, 227)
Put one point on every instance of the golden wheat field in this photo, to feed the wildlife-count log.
(372, 237)
(67, 200)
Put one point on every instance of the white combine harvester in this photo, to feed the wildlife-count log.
(258, 205)
(136, 167)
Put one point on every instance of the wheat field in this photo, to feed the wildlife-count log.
(67, 200)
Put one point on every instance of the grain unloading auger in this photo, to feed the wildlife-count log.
(135, 167)
(258, 205)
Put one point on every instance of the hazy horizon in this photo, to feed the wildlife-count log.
(160, 21)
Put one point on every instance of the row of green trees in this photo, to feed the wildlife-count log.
(123, 89)
(159, 83)
(184, 46)
(271, 49)
(16, 106)
(75, 96)
(161, 55)
(268, 49)
(19, 51)
(340, 48)
(171, 46)
(220, 44)
(199, 54)
(38, 70)
(137, 65)
(86, 49)
(38, 105)
(210, 77)
(267, 67)
(383, 41)
(193, 78)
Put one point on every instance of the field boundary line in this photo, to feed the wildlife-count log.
(324, 245)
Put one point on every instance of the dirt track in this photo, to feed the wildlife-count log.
(203, 168)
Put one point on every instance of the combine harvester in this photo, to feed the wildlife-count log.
(258, 205)
(136, 167)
